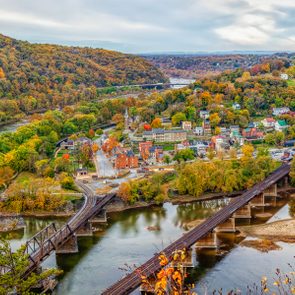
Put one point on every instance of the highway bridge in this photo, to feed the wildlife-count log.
(51, 239)
(133, 280)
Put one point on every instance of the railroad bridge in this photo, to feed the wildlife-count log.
(204, 235)
(64, 240)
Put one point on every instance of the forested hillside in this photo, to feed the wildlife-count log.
(196, 66)
(34, 76)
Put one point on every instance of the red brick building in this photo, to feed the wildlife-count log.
(126, 160)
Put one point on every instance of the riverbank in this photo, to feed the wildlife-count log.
(282, 230)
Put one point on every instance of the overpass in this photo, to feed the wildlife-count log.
(64, 240)
(133, 280)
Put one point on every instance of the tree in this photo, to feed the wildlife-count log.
(184, 155)
(13, 282)
(124, 191)
(178, 118)
(214, 119)
(6, 174)
(156, 123)
(247, 150)
(2, 74)
(167, 159)
(147, 127)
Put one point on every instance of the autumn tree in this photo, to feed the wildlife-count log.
(178, 118)
(6, 174)
(214, 119)
(156, 123)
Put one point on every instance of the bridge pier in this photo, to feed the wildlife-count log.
(271, 191)
(85, 230)
(258, 201)
(101, 217)
(69, 247)
(243, 212)
(208, 242)
(229, 226)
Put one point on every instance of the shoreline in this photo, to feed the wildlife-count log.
(115, 208)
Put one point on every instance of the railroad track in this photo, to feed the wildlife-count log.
(133, 280)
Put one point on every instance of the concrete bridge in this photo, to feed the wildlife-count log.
(204, 235)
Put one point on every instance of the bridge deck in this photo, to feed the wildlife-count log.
(133, 280)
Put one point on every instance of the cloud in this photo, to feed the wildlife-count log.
(154, 25)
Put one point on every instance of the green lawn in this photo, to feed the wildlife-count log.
(291, 82)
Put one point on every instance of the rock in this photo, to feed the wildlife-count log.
(153, 228)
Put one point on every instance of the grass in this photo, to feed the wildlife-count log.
(291, 82)
(24, 177)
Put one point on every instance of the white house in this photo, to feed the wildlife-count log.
(269, 123)
(186, 125)
(284, 76)
(236, 106)
(204, 114)
(199, 131)
(280, 111)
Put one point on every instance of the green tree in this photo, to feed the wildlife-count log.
(13, 282)
(184, 155)
(177, 118)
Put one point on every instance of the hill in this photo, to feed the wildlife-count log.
(196, 66)
(34, 76)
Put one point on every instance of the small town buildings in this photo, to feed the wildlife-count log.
(199, 131)
(161, 135)
(217, 142)
(281, 125)
(236, 106)
(126, 160)
(186, 125)
(224, 131)
(234, 128)
(269, 123)
(204, 115)
(206, 127)
(280, 111)
(67, 144)
(181, 146)
(144, 148)
(156, 154)
(252, 133)
(236, 137)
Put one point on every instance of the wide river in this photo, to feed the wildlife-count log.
(126, 240)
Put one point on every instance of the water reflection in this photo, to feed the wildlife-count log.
(126, 239)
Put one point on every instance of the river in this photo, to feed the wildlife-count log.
(126, 240)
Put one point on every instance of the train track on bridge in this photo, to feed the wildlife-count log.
(133, 280)
(40, 246)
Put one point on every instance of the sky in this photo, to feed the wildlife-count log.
(139, 26)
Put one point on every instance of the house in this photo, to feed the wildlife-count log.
(224, 131)
(206, 127)
(181, 146)
(204, 115)
(280, 111)
(269, 123)
(144, 148)
(218, 142)
(67, 144)
(236, 137)
(126, 160)
(252, 133)
(284, 76)
(281, 125)
(199, 131)
(236, 106)
(161, 135)
(156, 154)
(186, 125)
(234, 128)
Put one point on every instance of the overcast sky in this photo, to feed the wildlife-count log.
(154, 25)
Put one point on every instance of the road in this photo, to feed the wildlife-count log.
(104, 166)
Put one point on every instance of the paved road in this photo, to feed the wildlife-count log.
(104, 166)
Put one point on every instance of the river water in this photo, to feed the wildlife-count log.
(126, 240)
